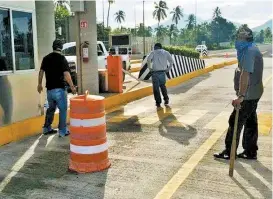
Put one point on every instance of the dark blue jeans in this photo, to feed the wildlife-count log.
(56, 98)
(159, 81)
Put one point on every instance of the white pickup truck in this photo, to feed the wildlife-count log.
(69, 51)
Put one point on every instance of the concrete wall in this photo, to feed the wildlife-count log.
(19, 98)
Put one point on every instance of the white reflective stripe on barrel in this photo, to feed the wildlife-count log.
(87, 122)
(88, 149)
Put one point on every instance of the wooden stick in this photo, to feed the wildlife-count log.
(234, 145)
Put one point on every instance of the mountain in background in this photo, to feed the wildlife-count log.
(263, 26)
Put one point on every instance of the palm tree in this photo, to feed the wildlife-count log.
(110, 2)
(120, 16)
(177, 14)
(63, 3)
(191, 22)
(217, 13)
(161, 31)
(160, 11)
(173, 32)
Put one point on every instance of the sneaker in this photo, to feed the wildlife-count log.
(223, 155)
(52, 131)
(63, 135)
(248, 156)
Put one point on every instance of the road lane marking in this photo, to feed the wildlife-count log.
(265, 123)
(128, 112)
(159, 115)
(257, 175)
(19, 164)
(190, 118)
(170, 188)
(267, 80)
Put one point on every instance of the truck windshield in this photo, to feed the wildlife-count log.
(71, 51)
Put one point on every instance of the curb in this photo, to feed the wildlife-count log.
(32, 126)
(134, 70)
(136, 61)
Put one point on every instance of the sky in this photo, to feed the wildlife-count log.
(251, 12)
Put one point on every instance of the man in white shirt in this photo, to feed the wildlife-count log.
(160, 59)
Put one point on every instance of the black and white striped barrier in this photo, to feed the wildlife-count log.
(204, 53)
(182, 65)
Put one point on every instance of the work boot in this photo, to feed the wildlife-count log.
(223, 155)
(248, 155)
(52, 131)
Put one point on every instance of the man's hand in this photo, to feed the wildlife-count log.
(237, 102)
(74, 90)
(39, 88)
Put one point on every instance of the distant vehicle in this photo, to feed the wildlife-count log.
(69, 51)
(200, 48)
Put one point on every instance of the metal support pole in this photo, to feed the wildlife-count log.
(143, 29)
(78, 53)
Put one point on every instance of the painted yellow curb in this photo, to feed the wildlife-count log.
(134, 70)
(33, 126)
(136, 61)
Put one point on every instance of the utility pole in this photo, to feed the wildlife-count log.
(196, 22)
(143, 29)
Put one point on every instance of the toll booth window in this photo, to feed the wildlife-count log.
(23, 40)
(6, 63)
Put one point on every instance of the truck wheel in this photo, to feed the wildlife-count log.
(124, 67)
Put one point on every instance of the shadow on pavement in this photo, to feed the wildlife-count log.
(253, 180)
(119, 123)
(174, 130)
(42, 172)
(186, 86)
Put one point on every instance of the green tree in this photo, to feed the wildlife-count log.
(268, 33)
(62, 3)
(110, 2)
(177, 14)
(160, 11)
(262, 36)
(120, 16)
(191, 21)
(172, 32)
(217, 13)
(61, 18)
(161, 32)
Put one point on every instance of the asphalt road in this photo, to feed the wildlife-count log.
(152, 151)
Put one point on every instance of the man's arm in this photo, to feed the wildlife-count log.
(40, 76)
(149, 60)
(244, 80)
(67, 76)
(247, 69)
(40, 81)
(170, 60)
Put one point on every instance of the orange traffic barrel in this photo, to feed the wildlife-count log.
(88, 142)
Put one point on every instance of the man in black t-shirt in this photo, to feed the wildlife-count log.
(56, 69)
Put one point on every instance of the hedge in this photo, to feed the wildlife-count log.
(179, 50)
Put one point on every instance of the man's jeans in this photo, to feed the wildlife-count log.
(248, 119)
(159, 81)
(56, 98)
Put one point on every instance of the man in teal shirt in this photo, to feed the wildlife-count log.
(248, 85)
